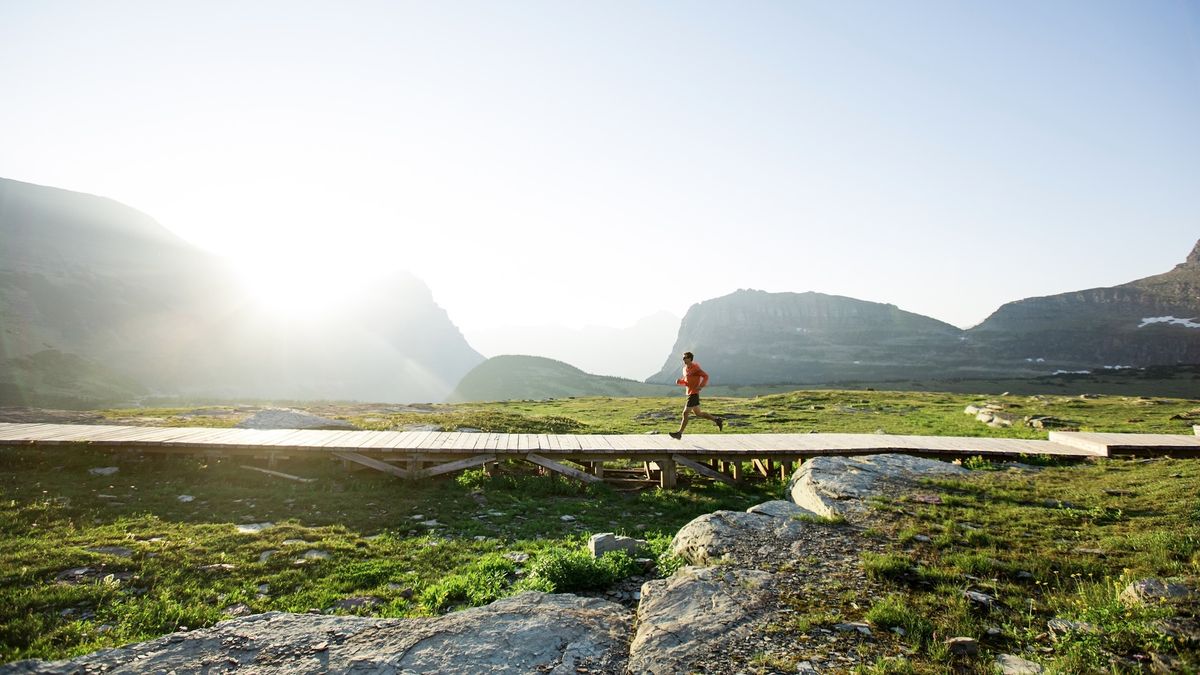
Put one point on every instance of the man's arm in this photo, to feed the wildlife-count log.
(703, 378)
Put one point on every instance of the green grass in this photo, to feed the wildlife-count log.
(1026, 539)
(52, 511)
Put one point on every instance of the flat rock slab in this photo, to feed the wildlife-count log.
(694, 608)
(840, 486)
(711, 537)
(530, 632)
(291, 419)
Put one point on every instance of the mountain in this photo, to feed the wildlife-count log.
(503, 378)
(1151, 321)
(755, 337)
(630, 352)
(88, 281)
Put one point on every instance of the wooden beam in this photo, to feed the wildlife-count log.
(561, 468)
(372, 463)
(736, 470)
(454, 466)
(701, 469)
(279, 473)
(762, 467)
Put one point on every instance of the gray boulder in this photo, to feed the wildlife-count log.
(530, 632)
(710, 538)
(694, 608)
(605, 542)
(284, 418)
(840, 486)
(1154, 591)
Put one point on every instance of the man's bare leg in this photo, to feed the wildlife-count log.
(720, 422)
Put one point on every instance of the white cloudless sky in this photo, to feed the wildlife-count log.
(592, 163)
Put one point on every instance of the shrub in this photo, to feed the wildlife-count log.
(576, 570)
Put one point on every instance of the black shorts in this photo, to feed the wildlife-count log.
(693, 400)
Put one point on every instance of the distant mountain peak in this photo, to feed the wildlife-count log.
(1193, 259)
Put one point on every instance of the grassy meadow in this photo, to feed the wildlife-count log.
(91, 561)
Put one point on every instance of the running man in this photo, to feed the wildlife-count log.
(695, 379)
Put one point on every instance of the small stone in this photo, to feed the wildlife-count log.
(218, 567)
(263, 588)
(923, 538)
(295, 542)
(517, 557)
(806, 668)
(963, 646)
(358, 602)
(1153, 591)
(185, 498)
(1010, 664)
(266, 555)
(315, 554)
(567, 519)
(982, 599)
(240, 609)
(103, 470)
(254, 528)
(1060, 626)
(853, 626)
(430, 523)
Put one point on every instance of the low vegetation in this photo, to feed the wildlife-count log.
(91, 561)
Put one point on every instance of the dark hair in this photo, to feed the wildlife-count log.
(688, 356)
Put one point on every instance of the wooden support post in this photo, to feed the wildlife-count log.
(372, 463)
(561, 468)
(646, 468)
(489, 469)
(598, 470)
(666, 478)
(785, 470)
(761, 467)
(414, 465)
(736, 470)
(701, 469)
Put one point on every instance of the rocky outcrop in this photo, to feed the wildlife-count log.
(755, 337)
(692, 607)
(530, 632)
(708, 539)
(840, 486)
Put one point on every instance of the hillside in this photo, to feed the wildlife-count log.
(1151, 321)
(502, 378)
(86, 278)
(755, 337)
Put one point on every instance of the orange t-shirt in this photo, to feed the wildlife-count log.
(694, 378)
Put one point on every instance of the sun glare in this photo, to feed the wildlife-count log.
(299, 286)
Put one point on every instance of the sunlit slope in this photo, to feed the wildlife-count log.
(504, 378)
(1151, 321)
(105, 284)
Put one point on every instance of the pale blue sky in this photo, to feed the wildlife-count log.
(554, 162)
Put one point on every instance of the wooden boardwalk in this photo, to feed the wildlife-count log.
(417, 454)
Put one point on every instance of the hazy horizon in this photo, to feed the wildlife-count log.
(539, 164)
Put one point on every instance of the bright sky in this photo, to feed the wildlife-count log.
(591, 163)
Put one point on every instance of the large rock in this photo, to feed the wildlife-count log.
(606, 542)
(530, 632)
(282, 418)
(840, 486)
(1154, 591)
(711, 538)
(694, 608)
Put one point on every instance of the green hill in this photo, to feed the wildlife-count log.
(502, 378)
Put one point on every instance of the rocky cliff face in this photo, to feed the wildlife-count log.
(754, 337)
(1151, 321)
(82, 277)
